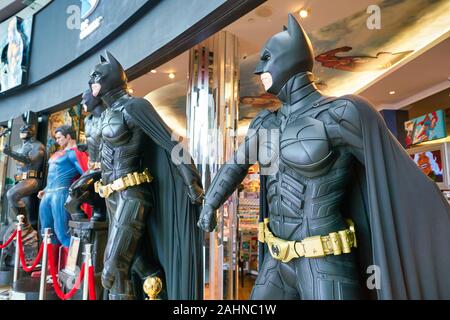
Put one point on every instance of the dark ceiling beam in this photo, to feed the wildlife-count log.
(8, 8)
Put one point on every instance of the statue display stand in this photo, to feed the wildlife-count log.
(82, 233)
(27, 288)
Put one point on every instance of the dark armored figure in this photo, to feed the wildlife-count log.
(308, 157)
(92, 128)
(152, 203)
(329, 166)
(30, 161)
(82, 190)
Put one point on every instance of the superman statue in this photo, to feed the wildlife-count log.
(153, 199)
(341, 198)
(81, 192)
(65, 166)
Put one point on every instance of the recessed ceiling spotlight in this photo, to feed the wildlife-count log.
(153, 71)
(391, 92)
(303, 13)
(171, 75)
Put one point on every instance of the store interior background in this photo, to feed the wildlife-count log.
(402, 66)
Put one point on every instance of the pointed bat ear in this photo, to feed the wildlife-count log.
(284, 28)
(110, 57)
(293, 26)
(102, 59)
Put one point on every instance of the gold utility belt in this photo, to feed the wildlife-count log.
(28, 175)
(334, 243)
(130, 180)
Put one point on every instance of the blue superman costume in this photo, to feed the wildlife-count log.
(65, 167)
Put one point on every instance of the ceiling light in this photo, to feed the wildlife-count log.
(171, 75)
(391, 92)
(130, 90)
(153, 71)
(303, 13)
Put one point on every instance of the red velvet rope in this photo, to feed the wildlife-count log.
(58, 291)
(22, 255)
(7, 243)
(92, 295)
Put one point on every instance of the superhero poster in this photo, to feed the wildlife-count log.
(74, 117)
(430, 162)
(425, 128)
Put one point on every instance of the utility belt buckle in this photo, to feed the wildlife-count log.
(103, 191)
(282, 250)
(313, 247)
(279, 249)
(119, 184)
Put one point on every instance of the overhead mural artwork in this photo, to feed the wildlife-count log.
(381, 61)
(15, 34)
(349, 55)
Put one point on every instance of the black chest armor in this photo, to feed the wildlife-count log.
(310, 164)
(310, 173)
(124, 143)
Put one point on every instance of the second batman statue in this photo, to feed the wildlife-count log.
(82, 190)
(153, 203)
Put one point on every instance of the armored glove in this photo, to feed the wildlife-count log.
(7, 149)
(207, 220)
(196, 193)
(193, 181)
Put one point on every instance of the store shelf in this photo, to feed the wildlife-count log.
(247, 202)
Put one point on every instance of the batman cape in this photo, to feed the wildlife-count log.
(402, 220)
(176, 241)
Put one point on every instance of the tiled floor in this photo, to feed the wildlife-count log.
(244, 290)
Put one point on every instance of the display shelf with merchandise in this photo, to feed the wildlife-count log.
(248, 220)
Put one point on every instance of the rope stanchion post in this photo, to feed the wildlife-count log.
(87, 262)
(43, 284)
(20, 219)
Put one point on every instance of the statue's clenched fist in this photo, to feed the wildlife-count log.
(207, 220)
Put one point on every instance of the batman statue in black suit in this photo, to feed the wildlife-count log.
(346, 213)
(82, 190)
(153, 197)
